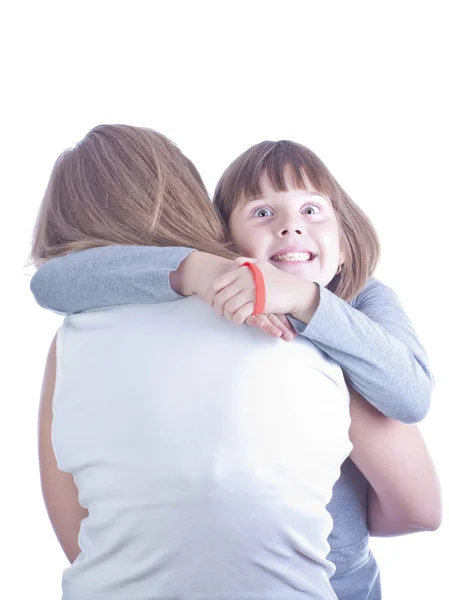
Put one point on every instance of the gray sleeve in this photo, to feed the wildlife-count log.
(375, 344)
(107, 276)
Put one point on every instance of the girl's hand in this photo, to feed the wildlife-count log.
(232, 294)
(198, 272)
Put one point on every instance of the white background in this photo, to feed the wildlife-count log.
(362, 84)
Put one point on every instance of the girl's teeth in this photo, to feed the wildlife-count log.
(293, 256)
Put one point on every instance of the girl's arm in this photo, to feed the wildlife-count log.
(108, 276)
(58, 488)
(404, 496)
(371, 338)
(375, 343)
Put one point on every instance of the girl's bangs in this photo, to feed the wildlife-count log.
(285, 166)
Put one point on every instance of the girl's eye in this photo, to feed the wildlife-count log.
(311, 207)
(263, 212)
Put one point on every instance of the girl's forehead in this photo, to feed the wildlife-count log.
(289, 179)
(266, 188)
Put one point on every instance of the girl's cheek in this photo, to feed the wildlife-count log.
(330, 240)
(246, 248)
(331, 248)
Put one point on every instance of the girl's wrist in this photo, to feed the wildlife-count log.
(181, 280)
(309, 300)
(198, 271)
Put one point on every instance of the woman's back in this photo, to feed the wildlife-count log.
(205, 453)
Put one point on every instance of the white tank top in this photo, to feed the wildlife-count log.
(204, 452)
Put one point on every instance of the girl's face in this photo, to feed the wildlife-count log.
(296, 230)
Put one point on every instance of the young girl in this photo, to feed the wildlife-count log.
(356, 570)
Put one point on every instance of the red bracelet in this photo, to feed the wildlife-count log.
(259, 307)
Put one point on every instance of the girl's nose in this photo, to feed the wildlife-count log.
(285, 231)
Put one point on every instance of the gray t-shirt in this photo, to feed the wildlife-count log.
(370, 337)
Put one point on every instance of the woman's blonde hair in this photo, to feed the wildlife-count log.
(358, 239)
(126, 185)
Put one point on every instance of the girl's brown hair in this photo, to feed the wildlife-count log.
(126, 185)
(358, 239)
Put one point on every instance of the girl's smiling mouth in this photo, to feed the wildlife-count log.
(295, 255)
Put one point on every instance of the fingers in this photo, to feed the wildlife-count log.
(272, 325)
(241, 314)
(283, 319)
(226, 279)
(220, 283)
(231, 308)
(283, 325)
(229, 300)
(227, 286)
(264, 323)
